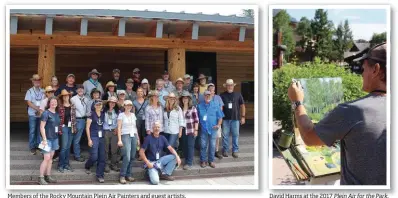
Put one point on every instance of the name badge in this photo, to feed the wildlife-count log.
(230, 105)
(56, 129)
(37, 103)
(110, 122)
(63, 125)
(143, 117)
(100, 134)
(157, 155)
(69, 124)
(131, 134)
(204, 117)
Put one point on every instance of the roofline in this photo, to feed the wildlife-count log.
(138, 14)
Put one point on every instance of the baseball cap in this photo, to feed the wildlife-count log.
(165, 72)
(121, 92)
(378, 53)
(69, 75)
(136, 70)
(210, 84)
(130, 80)
(144, 81)
(187, 76)
(127, 102)
(96, 102)
(116, 71)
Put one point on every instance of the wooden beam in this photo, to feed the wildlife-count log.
(46, 64)
(122, 27)
(14, 25)
(49, 25)
(83, 26)
(132, 42)
(242, 33)
(176, 63)
(159, 29)
(195, 31)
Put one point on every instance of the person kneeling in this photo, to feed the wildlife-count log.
(154, 158)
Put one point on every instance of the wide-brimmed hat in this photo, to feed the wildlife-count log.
(136, 70)
(121, 92)
(64, 93)
(93, 91)
(127, 102)
(229, 82)
(48, 89)
(201, 76)
(112, 99)
(186, 94)
(94, 71)
(35, 77)
(171, 95)
(110, 84)
(153, 93)
(179, 80)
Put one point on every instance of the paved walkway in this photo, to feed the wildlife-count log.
(231, 180)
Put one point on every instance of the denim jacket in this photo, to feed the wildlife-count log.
(173, 123)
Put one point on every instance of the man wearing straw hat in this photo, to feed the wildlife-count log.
(93, 82)
(33, 97)
(234, 111)
(110, 90)
(202, 83)
(179, 87)
(69, 86)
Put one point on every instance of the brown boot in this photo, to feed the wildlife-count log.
(218, 155)
(212, 164)
(166, 177)
(203, 164)
(235, 155)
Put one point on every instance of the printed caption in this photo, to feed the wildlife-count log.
(94, 195)
(330, 195)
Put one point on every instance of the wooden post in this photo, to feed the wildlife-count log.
(46, 66)
(176, 63)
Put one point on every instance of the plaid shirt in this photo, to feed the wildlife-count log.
(152, 115)
(191, 117)
(61, 112)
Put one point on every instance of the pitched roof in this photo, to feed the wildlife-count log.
(139, 14)
(362, 46)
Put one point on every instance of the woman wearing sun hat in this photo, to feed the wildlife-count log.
(96, 140)
(49, 92)
(190, 130)
(49, 132)
(67, 126)
(128, 140)
(110, 90)
(110, 129)
(173, 120)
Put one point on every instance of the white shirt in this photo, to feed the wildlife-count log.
(81, 104)
(128, 123)
(173, 123)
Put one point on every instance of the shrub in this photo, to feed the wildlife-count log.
(352, 85)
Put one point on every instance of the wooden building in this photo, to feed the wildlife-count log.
(357, 50)
(59, 42)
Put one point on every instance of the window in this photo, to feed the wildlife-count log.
(247, 89)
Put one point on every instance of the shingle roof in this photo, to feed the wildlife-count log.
(138, 14)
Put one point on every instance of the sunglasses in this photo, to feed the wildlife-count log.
(136, 72)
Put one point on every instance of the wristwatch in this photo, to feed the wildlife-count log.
(296, 104)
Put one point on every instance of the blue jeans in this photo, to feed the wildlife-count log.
(80, 125)
(66, 142)
(172, 139)
(233, 127)
(34, 132)
(208, 146)
(168, 163)
(128, 152)
(97, 155)
(188, 147)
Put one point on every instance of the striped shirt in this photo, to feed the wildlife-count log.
(152, 115)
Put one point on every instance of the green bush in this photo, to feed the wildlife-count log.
(352, 85)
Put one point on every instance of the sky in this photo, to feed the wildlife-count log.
(363, 22)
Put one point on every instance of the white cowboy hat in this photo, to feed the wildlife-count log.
(229, 82)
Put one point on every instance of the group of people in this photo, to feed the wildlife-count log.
(127, 118)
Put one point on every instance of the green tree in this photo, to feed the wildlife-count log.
(348, 40)
(248, 13)
(378, 38)
(281, 22)
(338, 52)
(305, 32)
(322, 30)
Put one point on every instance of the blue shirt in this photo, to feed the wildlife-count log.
(72, 90)
(152, 145)
(96, 124)
(52, 120)
(215, 98)
(140, 109)
(35, 96)
(110, 122)
(212, 113)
